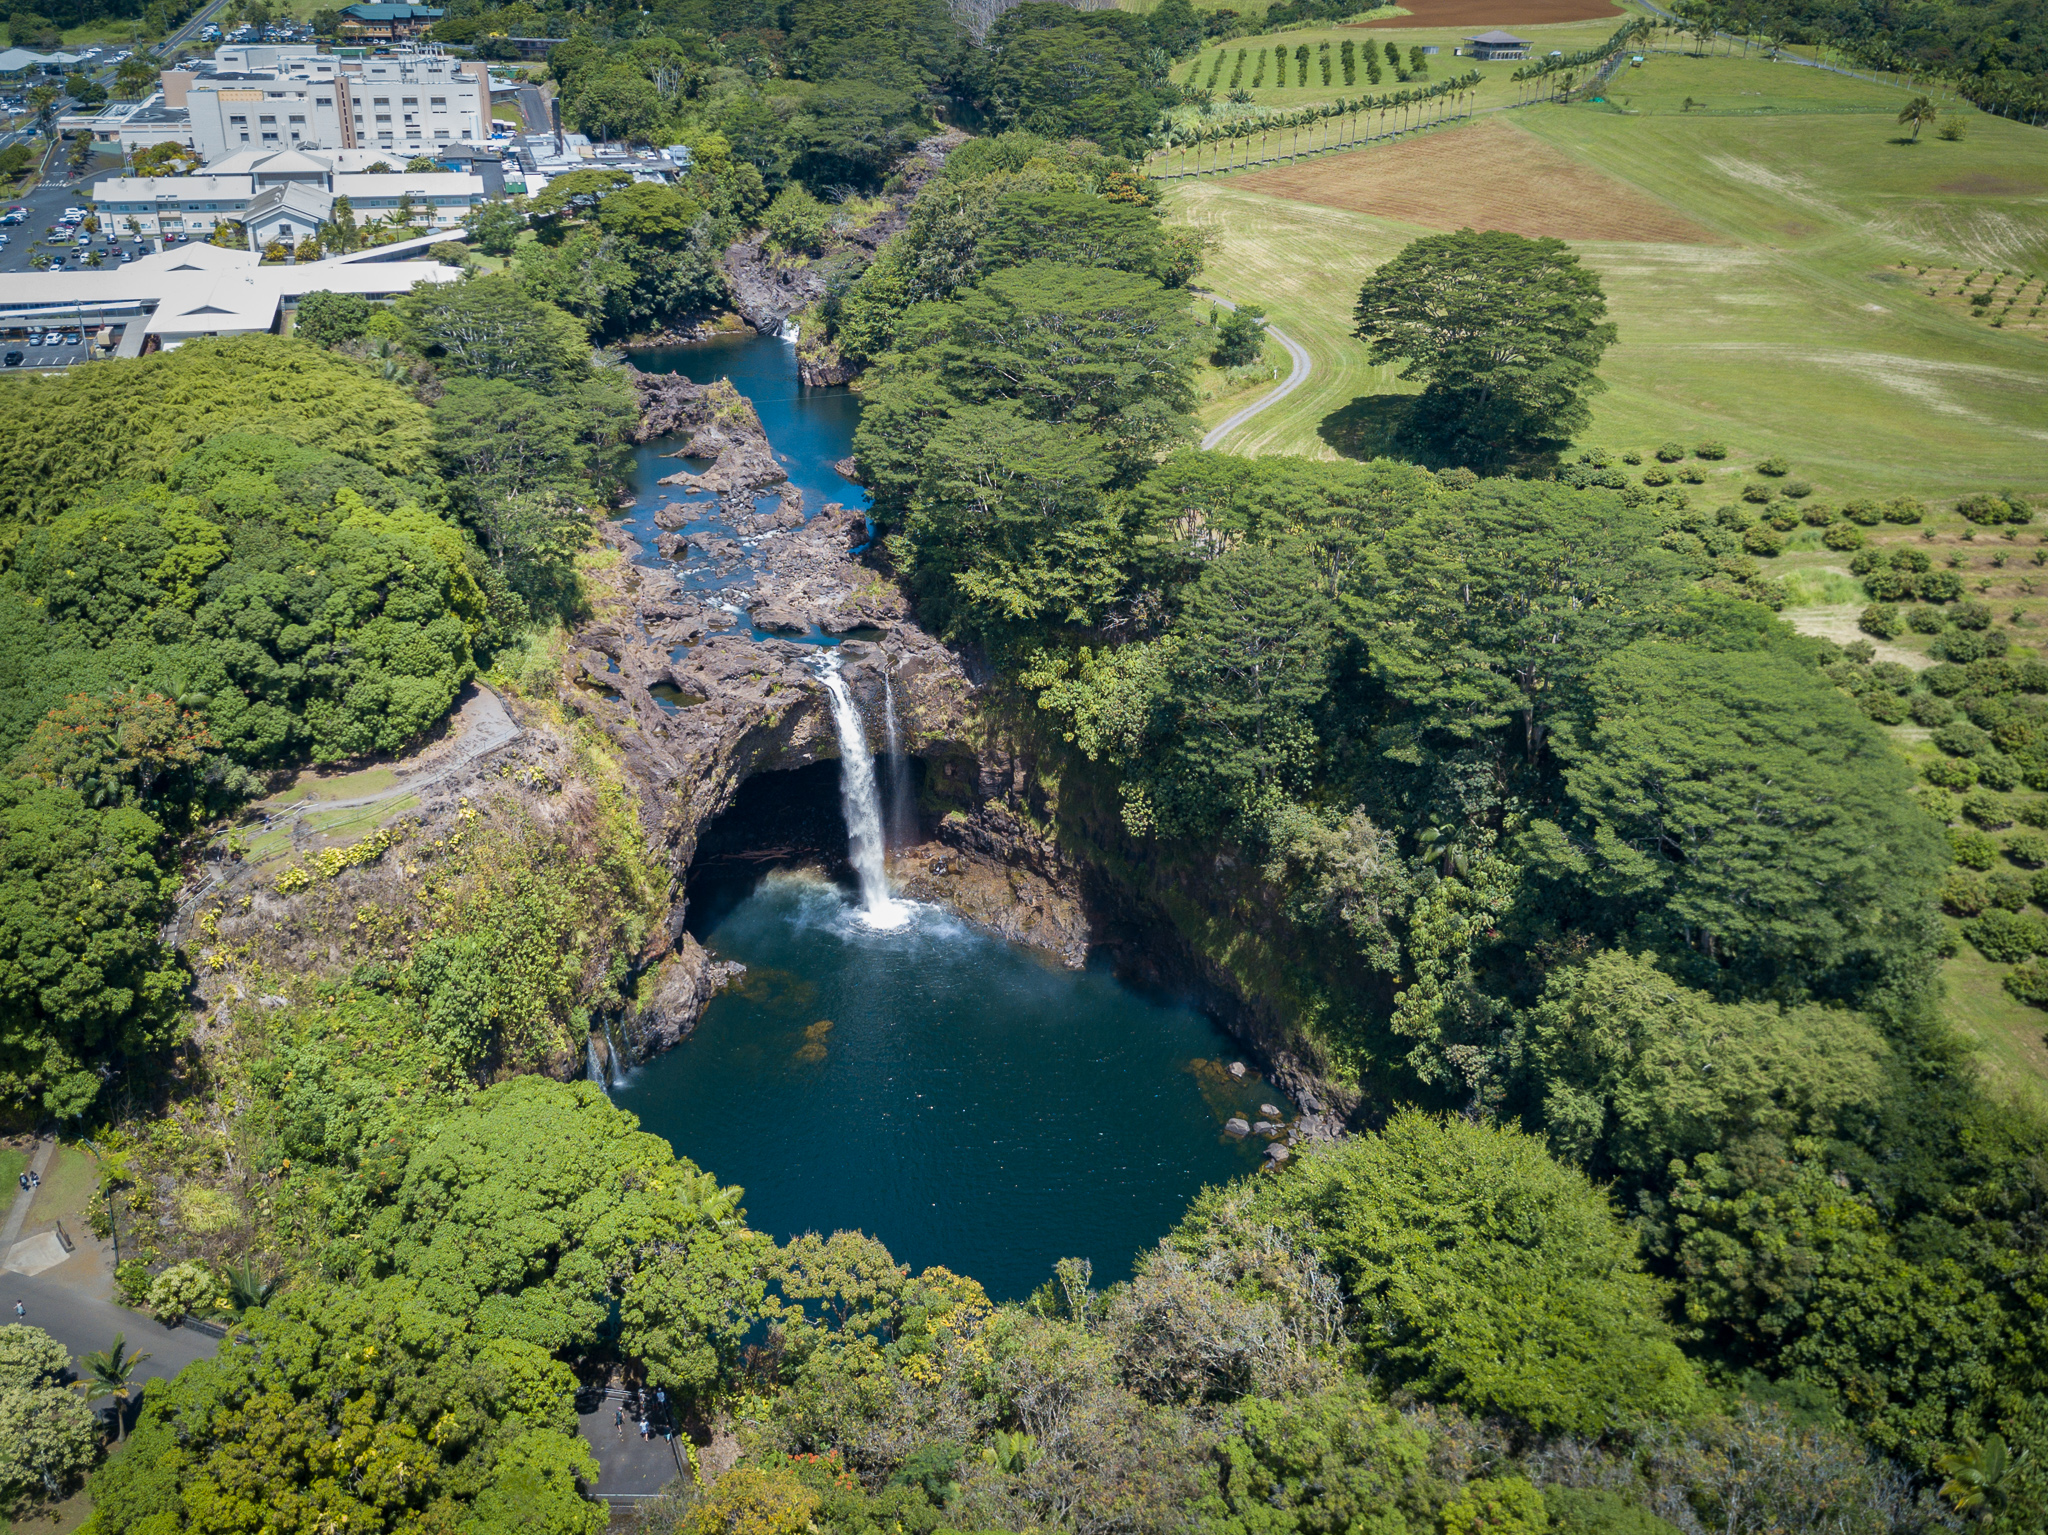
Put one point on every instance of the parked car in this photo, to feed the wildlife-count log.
(13, 359)
(76, 338)
(126, 257)
(35, 338)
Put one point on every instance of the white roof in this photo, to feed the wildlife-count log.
(21, 58)
(426, 183)
(202, 288)
(148, 188)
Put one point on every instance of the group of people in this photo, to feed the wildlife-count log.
(30, 1180)
(652, 1415)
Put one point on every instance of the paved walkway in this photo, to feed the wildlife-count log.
(1294, 380)
(59, 1304)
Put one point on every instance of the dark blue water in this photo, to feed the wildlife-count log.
(962, 1100)
(966, 1102)
(809, 429)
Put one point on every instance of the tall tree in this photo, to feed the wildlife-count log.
(110, 1372)
(1504, 332)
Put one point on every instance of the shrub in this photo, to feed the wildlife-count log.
(1959, 738)
(2008, 891)
(2034, 812)
(1862, 652)
(2005, 937)
(1732, 517)
(1711, 450)
(1817, 514)
(2029, 983)
(1946, 681)
(1765, 542)
(796, 221)
(1997, 771)
(1756, 493)
(1892, 676)
(1950, 773)
(1506, 1505)
(1941, 586)
(1885, 708)
(1931, 711)
(2032, 677)
(1990, 811)
(1924, 621)
(1670, 452)
(1692, 475)
(1889, 585)
(1964, 894)
(1841, 536)
(2028, 849)
(1987, 510)
(1866, 512)
(182, 1289)
(1880, 618)
(1904, 510)
(1784, 518)
(1957, 645)
(1775, 467)
(1971, 615)
(1972, 849)
(1631, 457)
(1655, 476)
(1798, 490)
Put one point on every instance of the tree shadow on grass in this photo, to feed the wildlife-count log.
(1385, 426)
(1376, 426)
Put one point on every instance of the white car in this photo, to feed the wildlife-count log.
(74, 213)
(35, 338)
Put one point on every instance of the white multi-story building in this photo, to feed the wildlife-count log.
(283, 196)
(280, 98)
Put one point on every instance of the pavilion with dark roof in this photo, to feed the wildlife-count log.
(1488, 46)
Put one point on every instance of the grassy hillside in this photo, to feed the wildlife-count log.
(1786, 322)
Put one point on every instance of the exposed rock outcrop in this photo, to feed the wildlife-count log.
(673, 997)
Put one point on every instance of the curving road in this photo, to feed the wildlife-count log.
(1296, 377)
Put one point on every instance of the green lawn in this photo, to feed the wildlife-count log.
(1797, 336)
(12, 1165)
(2012, 1038)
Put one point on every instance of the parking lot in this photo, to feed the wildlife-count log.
(46, 205)
(52, 349)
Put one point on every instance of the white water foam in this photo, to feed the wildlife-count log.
(860, 802)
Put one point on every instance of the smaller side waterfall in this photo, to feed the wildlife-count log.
(612, 1049)
(788, 332)
(594, 1069)
(902, 827)
(859, 801)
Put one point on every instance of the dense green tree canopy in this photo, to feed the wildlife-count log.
(1504, 332)
(525, 1212)
(1734, 807)
(1480, 1269)
(364, 1410)
(60, 438)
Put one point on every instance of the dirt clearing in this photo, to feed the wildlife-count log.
(1488, 176)
(1485, 14)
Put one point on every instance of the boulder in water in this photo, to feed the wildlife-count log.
(1238, 1126)
(1237, 1070)
(1267, 1128)
(1276, 1154)
(1270, 1110)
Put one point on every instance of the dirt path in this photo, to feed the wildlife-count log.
(1296, 377)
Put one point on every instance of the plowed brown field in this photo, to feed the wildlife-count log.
(1489, 175)
(1497, 13)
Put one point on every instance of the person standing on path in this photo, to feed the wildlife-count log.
(20, 1311)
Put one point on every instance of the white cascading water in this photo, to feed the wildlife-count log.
(900, 830)
(596, 1071)
(788, 332)
(859, 802)
(612, 1049)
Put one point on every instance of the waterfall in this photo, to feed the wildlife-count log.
(902, 828)
(859, 802)
(612, 1048)
(788, 332)
(594, 1071)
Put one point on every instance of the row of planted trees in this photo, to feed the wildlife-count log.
(1208, 148)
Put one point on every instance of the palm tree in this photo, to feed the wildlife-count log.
(107, 1373)
(248, 1289)
(1920, 111)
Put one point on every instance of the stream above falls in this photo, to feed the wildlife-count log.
(883, 1066)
